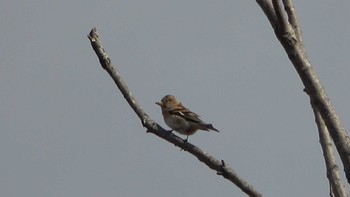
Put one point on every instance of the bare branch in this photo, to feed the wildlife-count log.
(293, 20)
(282, 23)
(297, 54)
(269, 11)
(337, 188)
(218, 165)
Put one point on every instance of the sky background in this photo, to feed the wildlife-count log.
(66, 130)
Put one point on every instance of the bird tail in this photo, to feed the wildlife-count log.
(210, 127)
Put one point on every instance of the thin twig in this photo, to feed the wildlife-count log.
(218, 165)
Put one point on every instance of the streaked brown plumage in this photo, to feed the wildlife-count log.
(181, 119)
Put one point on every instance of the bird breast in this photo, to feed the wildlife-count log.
(178, 124)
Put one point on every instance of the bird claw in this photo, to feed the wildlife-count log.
(186, 140)
(170, 131)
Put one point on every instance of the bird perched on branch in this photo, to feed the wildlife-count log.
(180, 119)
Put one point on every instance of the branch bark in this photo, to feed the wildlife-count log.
(337, 188)
(152, 127)
(291, 40)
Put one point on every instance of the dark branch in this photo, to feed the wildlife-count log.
(220, 167)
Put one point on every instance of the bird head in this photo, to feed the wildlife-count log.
(168, 101)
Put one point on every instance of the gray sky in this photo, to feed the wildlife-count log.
(67, 131)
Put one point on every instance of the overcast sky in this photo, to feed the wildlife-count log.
(67, 131)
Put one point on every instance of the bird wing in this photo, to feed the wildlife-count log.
(186, 114)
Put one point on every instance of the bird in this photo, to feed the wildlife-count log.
(181, 119)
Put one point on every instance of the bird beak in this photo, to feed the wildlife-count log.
(159, 103)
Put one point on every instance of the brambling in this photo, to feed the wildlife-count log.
(180, 119)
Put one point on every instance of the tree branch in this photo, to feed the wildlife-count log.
(282, 23)
(269, 11)
(293, 20)
(219, 166)
(297, 54)
(337, 188)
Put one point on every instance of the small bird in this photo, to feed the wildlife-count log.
(180, 119)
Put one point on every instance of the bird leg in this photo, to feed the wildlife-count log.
(186, 140)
